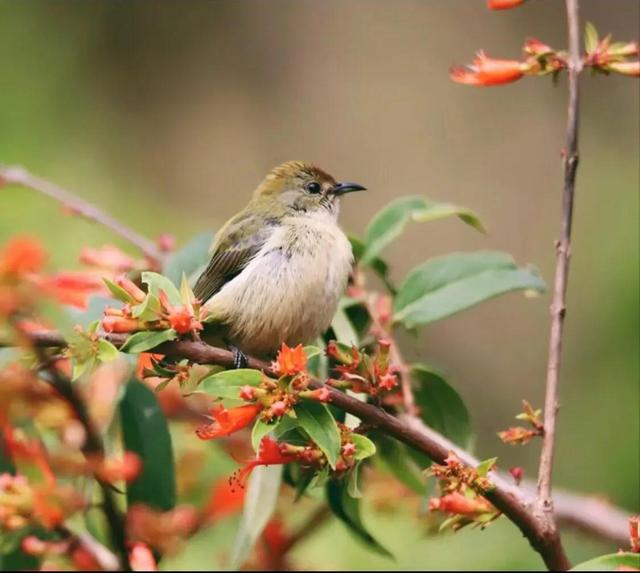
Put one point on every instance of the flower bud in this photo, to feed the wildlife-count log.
(133, 290)
(120, 324)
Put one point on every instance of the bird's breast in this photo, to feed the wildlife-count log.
(290, 290)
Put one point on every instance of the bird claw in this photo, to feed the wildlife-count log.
(240, 359)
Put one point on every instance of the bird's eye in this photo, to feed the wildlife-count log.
(313, 187)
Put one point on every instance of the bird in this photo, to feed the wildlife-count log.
(278, 267)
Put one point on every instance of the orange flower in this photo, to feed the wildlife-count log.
(131, 288)
(459, 504)
(517, 435)
(228, 421)
(290, 361)
(269, 454)
(121, 324)
(111, 469)
(145, 363)
(503, 4)
(20, 256)
(72, 287)
(225, 499)
(486, 71)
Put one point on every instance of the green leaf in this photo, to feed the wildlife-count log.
(365, 448)
(343, 329)
(189, 259)
(147, 339)
(148, 309)
(485, 466)
(145, 432)
(156, 282)
(396, 459)
(316, 420)
(378, 266)
(353, 483)
(612, 562)
(106, 351)
(390, 221)
(260, 430)
(449, 284)
(441, 407)
(347, 509)
(118, 292)
(227, 384)
(259, 505)
(590, 37)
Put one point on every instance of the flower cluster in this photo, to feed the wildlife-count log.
(606, 56)
(363, 373)
(461, 489)
(23, 280)
(152, 310)
(519, 435)
(271, 399)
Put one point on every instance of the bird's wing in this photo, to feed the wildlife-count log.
(234, 246)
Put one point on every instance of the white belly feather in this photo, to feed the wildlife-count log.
(290, 290)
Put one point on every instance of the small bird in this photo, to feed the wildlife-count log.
(279, 266)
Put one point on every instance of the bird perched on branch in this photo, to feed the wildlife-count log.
(279, 267)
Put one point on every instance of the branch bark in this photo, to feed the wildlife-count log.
(516, 503)
(558, 304)
(20, 176)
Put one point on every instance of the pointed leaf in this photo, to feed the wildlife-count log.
(118, 292)
(449, 284)
(157, 282)
(146, 340)
(347, 509)
(590, 38)
(259, 505)
(145, 432)
(316, 420)
(260, 430)
(227, 384)
(441, 407)
(390, 221)
(365, 448)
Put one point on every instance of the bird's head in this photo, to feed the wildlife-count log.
(304, 188)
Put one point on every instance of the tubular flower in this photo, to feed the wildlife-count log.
(290, 361)
(181, 317)
(503, 4)
(121, 324)
(141, 558)
(224, 500)
(459, 504)
(269, 453)
(228, 421)
(107, 257)
(487, 71)
(626, 68)
(72, 287)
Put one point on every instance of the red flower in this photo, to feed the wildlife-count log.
(503, 4)
(535, 47)
(290, 361)
(182, 320)
(634, 533)
(20, 256)
(225, 499)
(269, 454)
(517, 473)
(109, 470)
(488, 72)
(320, 394)
(228, 421)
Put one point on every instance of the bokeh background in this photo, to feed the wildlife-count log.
(167, 114)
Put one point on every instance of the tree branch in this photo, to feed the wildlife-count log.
(20, 176)
(514, 502)
(563, 254)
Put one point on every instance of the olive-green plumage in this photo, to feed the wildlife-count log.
(279, 267)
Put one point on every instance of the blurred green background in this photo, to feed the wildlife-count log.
(167, 114)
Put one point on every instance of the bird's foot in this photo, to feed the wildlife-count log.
(240, 359)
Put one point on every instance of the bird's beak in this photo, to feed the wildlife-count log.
(345, 187)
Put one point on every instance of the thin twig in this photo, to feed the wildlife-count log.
(92, 446)
(563, 254)
(514, 502)
(20, 176)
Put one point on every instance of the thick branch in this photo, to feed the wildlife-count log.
(20, 176)
(514, 502)
(563, 254)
